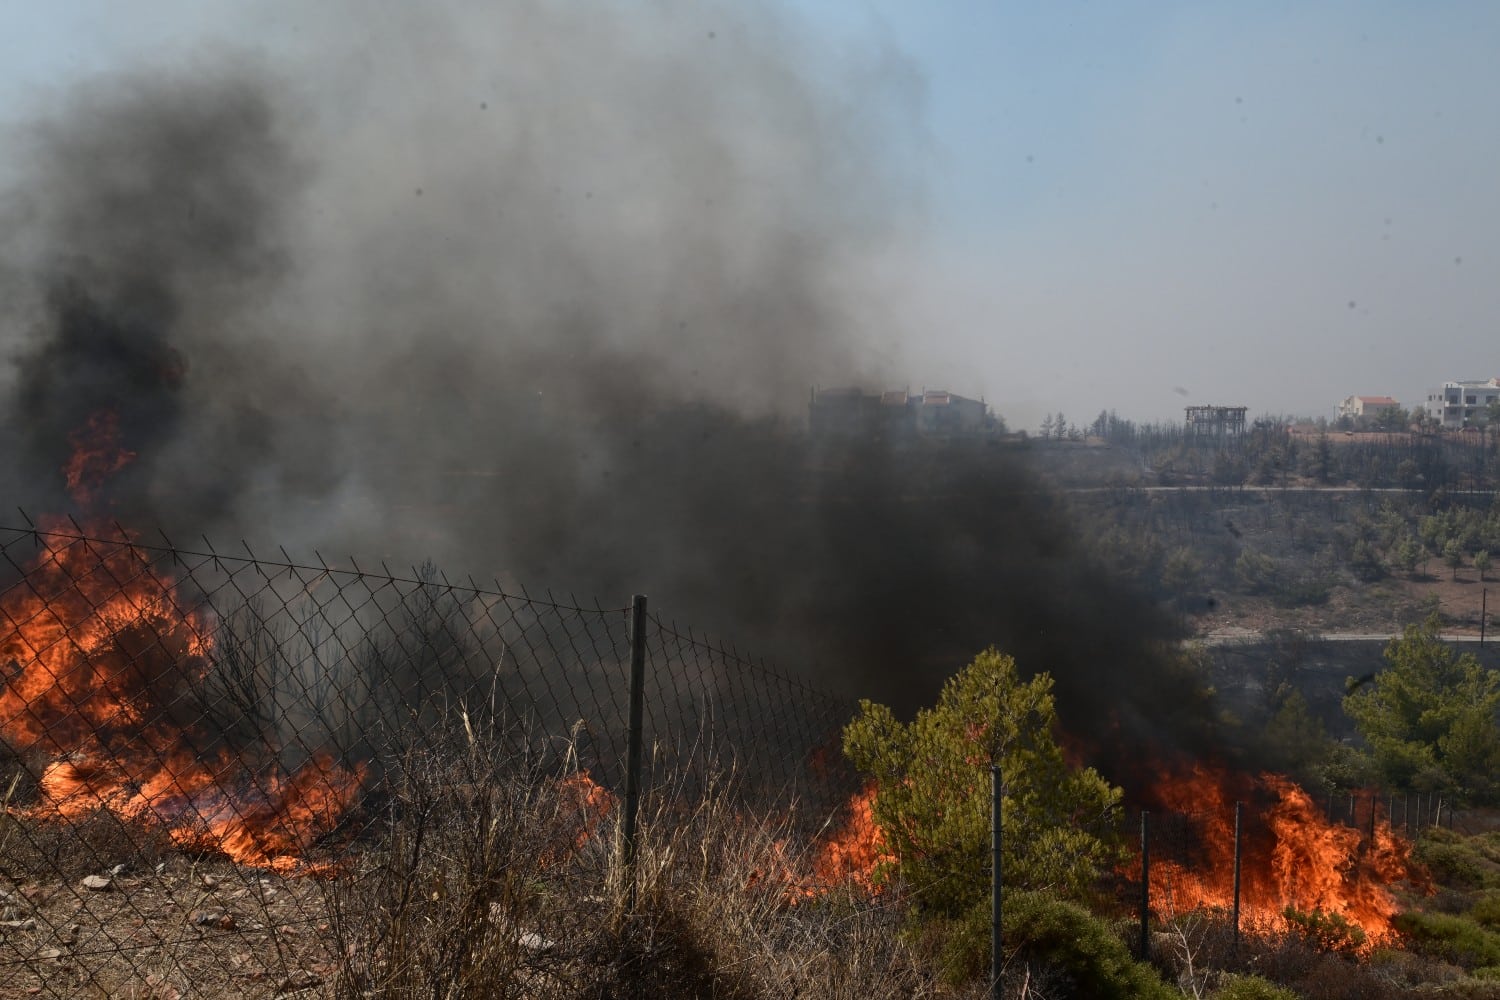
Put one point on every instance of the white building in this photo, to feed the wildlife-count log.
(1366, 409)
(1462, 404)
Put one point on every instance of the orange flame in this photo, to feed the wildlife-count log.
(99, 649)
(848, 857)
(1299, 860)
(97, 454)
(583, 805)
(853, 854)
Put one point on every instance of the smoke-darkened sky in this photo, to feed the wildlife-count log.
(538, 292)
(1270, 205)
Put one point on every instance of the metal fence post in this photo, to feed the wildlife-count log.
(996, 938)
(1145, 883)
(635, 738)
(1239, 809)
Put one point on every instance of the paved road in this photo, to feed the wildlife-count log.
(1275, 490)
(1228, 637)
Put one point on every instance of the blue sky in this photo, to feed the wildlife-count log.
(1130, 207)
(1152, 204)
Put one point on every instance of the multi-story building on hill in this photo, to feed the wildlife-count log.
(1362, 410)
(1462, 403)
(934, 413)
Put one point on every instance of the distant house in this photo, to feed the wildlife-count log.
(946, 413)
(843, 412)
(1362, 410)
(1461, 404)
(1214, 422)
(854, 412)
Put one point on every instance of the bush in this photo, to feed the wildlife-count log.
(1453, 862)
(1452, 938)
(1328, 932)
(932, 790)
(1250, 988)
(1256, 572)
(1078, 949)
(1486, 910)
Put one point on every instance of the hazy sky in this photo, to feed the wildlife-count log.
(1129, 207)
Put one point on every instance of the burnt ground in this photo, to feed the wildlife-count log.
(93, 911)
(1382, 607)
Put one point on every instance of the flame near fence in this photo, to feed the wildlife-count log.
(180, 727)
(212, 765)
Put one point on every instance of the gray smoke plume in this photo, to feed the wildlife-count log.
(537, 292)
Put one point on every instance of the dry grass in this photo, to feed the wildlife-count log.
(502, 878)
(490, 867)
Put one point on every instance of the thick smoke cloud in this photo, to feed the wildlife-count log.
(539, 295)
(144, 234)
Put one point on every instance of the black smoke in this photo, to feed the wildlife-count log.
(540, 295)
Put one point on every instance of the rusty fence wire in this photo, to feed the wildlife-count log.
(196, 745)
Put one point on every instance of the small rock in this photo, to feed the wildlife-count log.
(97, 883)
(535, 942)
(217, 919)
(116, 870)
(49, 953)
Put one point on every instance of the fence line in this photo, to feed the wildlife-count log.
(182, 727)
(166, 708)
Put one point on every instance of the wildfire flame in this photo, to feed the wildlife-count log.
(1297, 859)
(97, 454)
(99, 651)
(583, 804)
(848, 857)
(853, 854)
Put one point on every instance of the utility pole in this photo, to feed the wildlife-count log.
(997, 952)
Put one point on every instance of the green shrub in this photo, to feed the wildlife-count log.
(1328, 932)
(1452, 938)
(1079, 948)
(1256, 572)
(1487, 844)
(1453, 862)
(1302, 593)
(1486, 910)
(1250, 988)
(932, 791)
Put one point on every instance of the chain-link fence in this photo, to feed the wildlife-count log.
(249, 776)
(1279, 862)
(196, 745)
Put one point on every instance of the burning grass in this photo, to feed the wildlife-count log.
(489, 866)
(515, 889)
(1297, 872)
(105, 702)
(147, 838)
